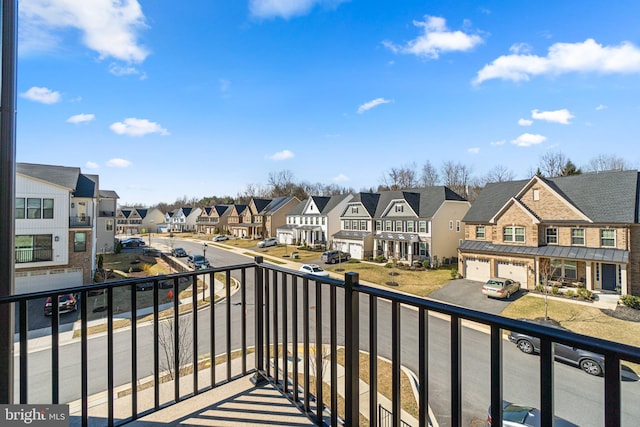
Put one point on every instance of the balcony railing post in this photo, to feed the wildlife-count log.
(352, 349)
(259, 313)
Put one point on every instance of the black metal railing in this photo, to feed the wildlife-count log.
(279, 311)
(385, 418)
(80, 221)
(33, 255)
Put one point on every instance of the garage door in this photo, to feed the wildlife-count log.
(355, 251)
(477, 269)
(513, 270)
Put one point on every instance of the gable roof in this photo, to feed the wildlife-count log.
(604, 197)
(142, 212)
(60, 175)
(221, 209)
(276, 204)
(299, 208)
(86, 186)
(108, 194)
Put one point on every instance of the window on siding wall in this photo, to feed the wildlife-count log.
(552, 236)
(513, 234)
(577, 236)
(608, 237)
(457, 226)
(109, 225)
(480, 232)
(324, 220)
(80, 241)
(363, 225)
(378, 225)
(398, 226)
(422, 227)
(409, 226)
(47, 208)
(347, 225)
(34, 248)
(34, 210)
(387, 226)
(20, 208)
(451, 225)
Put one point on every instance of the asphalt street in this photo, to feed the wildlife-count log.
(579, 397)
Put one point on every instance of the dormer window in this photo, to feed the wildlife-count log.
(399, 208)
(354, 209)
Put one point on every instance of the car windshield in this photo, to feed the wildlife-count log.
(198, 258)
(316, 269)
(516, 413)
(494, 284)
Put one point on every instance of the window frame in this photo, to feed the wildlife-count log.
(34, 209)
(603, 238)
(77, 242)
(512, 232)
(483, 235)
(574, 237)
(23, 209)
(551, 233)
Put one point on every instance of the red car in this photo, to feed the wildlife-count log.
(66, 303)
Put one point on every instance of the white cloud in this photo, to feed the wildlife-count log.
(81, 118)
(473, 150)
(340, 178)
(601, 107)
(42, 95)
(500, 142)
(562, 58)
(287, 8)
(126, 70)
(528, 139)
(520, 48)
(91, 165)
(372, 104)
(281, 155)
(107, 27)
(436, 40)
(137, 127)
(525, 122)
(119, 163)
(558, 116)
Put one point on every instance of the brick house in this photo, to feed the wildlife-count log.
(579, 230)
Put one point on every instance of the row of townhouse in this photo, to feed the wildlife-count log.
(410, 225)
(63, 220)
(582, 230)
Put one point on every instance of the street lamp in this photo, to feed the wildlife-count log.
(204, 250)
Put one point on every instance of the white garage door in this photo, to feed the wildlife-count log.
(477, 269)
(355, 250)
(513, 270)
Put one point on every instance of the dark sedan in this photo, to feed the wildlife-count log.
(178, 252)
(66, 303)
(591, 363)
(331, 257)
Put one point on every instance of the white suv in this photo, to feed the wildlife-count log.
(271, 241)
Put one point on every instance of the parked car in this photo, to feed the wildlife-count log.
(66, 303)
(152, 252)
(220, 238)
(270, 241)
(144, 286)
(519, 415)
(178, 252)
(197, 261)
(132, 242)
(591, 363)
(314, 269)
(331, 257)
(497, 287)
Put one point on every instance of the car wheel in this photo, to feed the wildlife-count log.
(591, 367)
(525, 346)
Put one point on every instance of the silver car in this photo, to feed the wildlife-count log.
(524, 416)
(497, 287)
(271, 241)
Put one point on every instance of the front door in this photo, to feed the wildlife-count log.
(608, 277)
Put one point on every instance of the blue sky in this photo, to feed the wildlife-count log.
(166, 99)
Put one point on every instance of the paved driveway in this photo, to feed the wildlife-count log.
(467, 293)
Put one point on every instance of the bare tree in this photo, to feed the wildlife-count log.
(499, 173)
(281, 183)
(546, 270)
(166, 342)
(429, 175)
(315, 370)
(457, 177)
(552, 163)
(605, 162)
(400, 178)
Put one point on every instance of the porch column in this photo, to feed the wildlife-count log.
(536, 280)
(588, 280)
(624, 286)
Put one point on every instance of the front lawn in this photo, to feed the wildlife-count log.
(420, 283)
(578, 318)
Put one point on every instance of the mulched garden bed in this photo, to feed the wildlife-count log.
(623, 312)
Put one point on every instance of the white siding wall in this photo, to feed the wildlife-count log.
(57, 226)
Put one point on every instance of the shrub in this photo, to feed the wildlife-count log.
(381, 259)
(555, 290)
(585, 294)
(540, 287)
(426, 263)
(570, 293)
(100, 261)
(389, 265)
(631, 301)
(353, 261)
(454, 273)
(119, 247)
